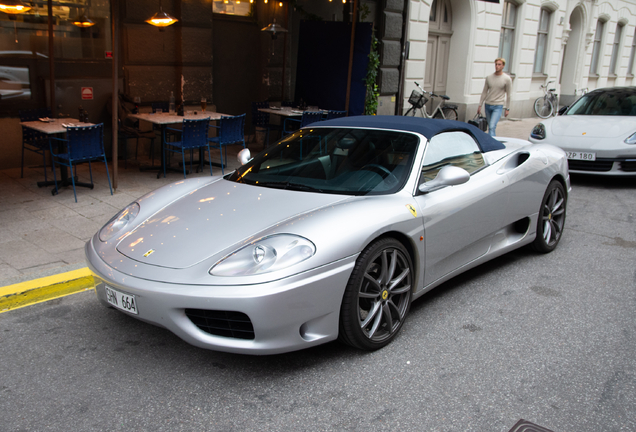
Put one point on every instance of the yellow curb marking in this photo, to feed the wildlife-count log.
(48, 288)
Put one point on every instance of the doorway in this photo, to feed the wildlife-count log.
(569, 78)
(438, 48)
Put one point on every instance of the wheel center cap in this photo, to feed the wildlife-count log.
(550, 216)
(385, 295)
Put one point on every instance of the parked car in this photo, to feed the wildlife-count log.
(330, 234)
(598, 132)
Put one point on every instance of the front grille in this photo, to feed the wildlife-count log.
(599, 165)
(222, 323)
(628, 166)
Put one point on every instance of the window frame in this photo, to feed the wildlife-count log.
(632, 55)
(597, 48)
(615, 59)
(540, 68)
(508, 28)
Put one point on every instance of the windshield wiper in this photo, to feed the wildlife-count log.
(289, 186)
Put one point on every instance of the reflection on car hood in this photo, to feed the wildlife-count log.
(592, 126)
(213, 218)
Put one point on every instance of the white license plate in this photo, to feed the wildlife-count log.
(126, 302)
(581, 156)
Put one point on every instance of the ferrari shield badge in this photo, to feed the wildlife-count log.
(412, 209)
(147, 254)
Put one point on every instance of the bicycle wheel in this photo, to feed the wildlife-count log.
(543, 107)
(438, 114)
(450, 113)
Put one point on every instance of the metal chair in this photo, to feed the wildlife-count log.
(193, 135)
(332, 114)
(32, 140)
(308, 118)
(83, 144)
(231, 131)
(261, 120)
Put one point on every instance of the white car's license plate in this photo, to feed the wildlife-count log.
(582, 156)
(126, 302)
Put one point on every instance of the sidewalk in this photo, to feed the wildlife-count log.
(42, 236)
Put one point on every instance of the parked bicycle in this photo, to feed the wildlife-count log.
(548, 104)
(418, 101)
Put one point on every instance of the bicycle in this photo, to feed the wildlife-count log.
(546, 105)
(442, 111)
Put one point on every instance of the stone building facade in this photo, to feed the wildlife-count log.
(452, 44)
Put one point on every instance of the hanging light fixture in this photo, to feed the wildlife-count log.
(161, 19)
(274, 28)
(13, 7)
(83, 21)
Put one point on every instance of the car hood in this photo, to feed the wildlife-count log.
(591, 126)
(213, 218)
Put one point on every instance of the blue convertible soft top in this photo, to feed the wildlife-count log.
(427, 127)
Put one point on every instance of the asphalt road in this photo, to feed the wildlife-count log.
(547, 338)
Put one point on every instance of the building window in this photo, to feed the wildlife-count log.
(506, 40)
(232, 7)
(596, 51)
(615, 49)
(632, 54)
(542, 41)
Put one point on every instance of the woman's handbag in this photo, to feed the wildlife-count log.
(479, 121)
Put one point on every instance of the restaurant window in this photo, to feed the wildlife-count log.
(506, 39)
(596, 50)
(542, 41)
(615, 49)
(232, 7)
(632, 54)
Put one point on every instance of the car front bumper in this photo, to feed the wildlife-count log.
(286, 315)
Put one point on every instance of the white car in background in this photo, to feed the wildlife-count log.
(598, 132)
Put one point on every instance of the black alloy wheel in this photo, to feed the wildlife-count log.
(378, 296)
(551, 218)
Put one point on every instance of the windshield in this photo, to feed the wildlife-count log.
(334, 160)
(608, 103)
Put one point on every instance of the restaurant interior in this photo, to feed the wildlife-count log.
(61, 57)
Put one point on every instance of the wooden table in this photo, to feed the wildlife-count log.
(283, 112)
(54, 127)
(165, 119)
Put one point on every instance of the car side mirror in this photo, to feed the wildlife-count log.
(244, 156)
(562, 110)
(448, 176)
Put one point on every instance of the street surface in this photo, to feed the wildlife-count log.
(547, 338)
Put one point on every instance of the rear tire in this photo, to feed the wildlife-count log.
(438, 115)
(450, 113)
(378, 296)
(551, 218)
(543, 107)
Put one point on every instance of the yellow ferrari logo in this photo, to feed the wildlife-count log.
(385, 295)
(412, 210)
(584, 133)
(148, 253)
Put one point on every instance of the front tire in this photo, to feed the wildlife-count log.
(551, 218)
(378, 296)
(543, 107)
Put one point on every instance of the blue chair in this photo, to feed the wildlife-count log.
(32, 140)
(83, 144)
(193, 135)
(331, 114)
(261, 120)
(231, 131)
(308, 118)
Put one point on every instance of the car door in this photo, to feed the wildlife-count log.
(459, 221)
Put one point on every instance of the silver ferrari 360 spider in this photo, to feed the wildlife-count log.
(329, 234)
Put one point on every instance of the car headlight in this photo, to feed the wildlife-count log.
(538, 132)
(265, 255)
(119, 222)
(631, 139)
